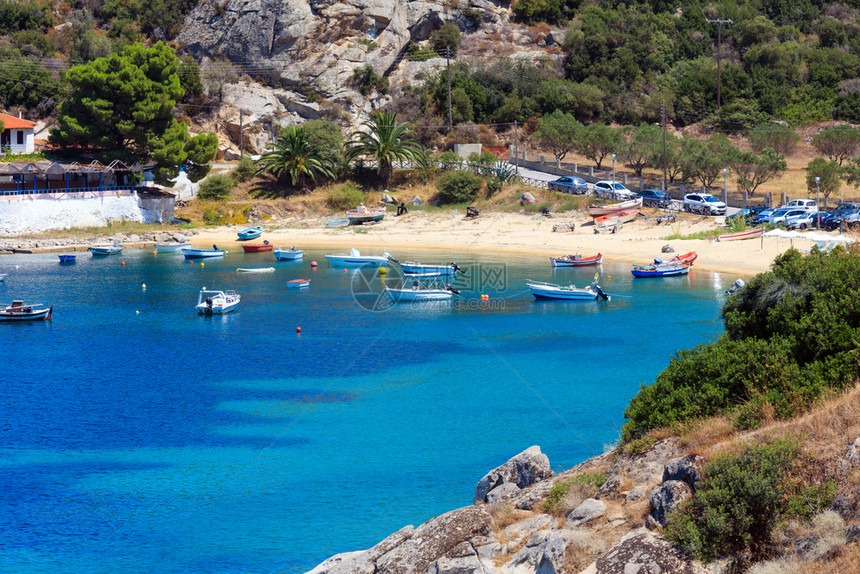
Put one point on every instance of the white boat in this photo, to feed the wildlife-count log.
(105, 249)
(2, 277)
(542, 290)
(411, 290)
(211, 302)
(192, 253)
(171, 247)
(598, 210)
(19, 311)
(415, 268)
(745, 234)
(290, 254)
(362, 214)
(255, 270)
(355, 259)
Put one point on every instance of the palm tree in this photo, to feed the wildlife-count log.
(294, 155)
(386, 142)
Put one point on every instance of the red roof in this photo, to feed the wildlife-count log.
(11, 122)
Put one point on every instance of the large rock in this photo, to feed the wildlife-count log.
(434, 539)
(462, 559)
(552, 559)
(686, 469)
(526, 468)
(363, 561)
(847, 504)
(666, 498)
(646, 467)
(640, 552)
(590, 509)
(502, 492)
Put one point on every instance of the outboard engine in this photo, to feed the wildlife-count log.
(456, 268)
(737, 286)
(600, 293)
(208, 306)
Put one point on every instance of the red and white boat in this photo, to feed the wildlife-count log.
(576, 260)
(616, 217)
(19, 311)
(598, 210)
(257, 247)
(685, 259)
(745, 234)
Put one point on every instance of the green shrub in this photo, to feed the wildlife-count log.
(738, 503)
(216, 187)
(345, 197)
(458, 187)
(245, 170)
(450, 160)
(213, 216)
(556, 495)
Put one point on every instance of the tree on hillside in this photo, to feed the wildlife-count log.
(640, 146)
(837, 142)
(704, 161)
(293, 155)
(598, 140)
(583, 101)
(123, 105)
(446, 37)
(385, 141)
(829, 174)
(755, 170)
(557, 132)
(778, 137)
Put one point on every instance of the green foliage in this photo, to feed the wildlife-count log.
(458, 187)
(811, 500)
(368, 80)
(828, 173)
(553, 500)
(641, 147)
(640, 445)
(597, 141)
(446, 37)
(189, 78)
(739, 502)
(450, 160)
(215, 187)
(31, 40)
(778, 137)
(153, 16)
(325, 138)
(755, 170)
(583, 101)
(294, 156)
(345, 197)
(838, 142)
(418, 54)
(533, 11)
(25, 82)
(18, 15)
(704, 161)
(791, 336)
(385, 141)
(245, 169)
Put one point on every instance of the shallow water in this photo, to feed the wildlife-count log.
(138, 436)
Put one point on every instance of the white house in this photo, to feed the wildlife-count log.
(18, 135)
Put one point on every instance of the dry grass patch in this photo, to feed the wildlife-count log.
(706, 433)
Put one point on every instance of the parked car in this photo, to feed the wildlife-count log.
(762, 216)
(832, 219)
(570, 184)
(808, 219)
(781, 214)
(704, 203)
(747, 213)
(654, 198)
(852, 218)
(804, 204)
(612, 189)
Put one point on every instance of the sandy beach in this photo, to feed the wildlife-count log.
(637, 242)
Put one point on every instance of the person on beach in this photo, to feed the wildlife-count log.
(401, 209)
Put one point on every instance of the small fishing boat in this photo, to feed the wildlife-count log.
(66, 258)
(337, 223)
(114, 249)
(542, 290)
(211, 302)
(660, 270)
(413, 290)
(290, 254)
(355, 258)
(2, 277)
(171, 247)
(362, 214)
(191, 253)
(250, 233)
(616, 217)
(255, 270)
(598, 210)
(298, 283)
(257, 247)
(685, 259)
(19, 311)
(576, 260)
(745, 234)
(415, 268)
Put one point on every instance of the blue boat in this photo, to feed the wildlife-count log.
(202, 253)
(250, 233)
(67, 258)
(660, 270)
(291, 254)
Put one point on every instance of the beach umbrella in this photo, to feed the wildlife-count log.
(842, 239)
(778, 233)
(817, 237)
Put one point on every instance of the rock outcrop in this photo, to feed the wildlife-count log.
(525, 469)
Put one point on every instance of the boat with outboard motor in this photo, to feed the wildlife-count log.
(356, 259)
(114, 249)
(576, 260)
(20, 311)
(212, 302)
(203, 253)
(543, 290)
(291, 254)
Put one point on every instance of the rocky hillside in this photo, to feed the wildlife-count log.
(525, 519)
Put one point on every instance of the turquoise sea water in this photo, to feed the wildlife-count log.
(136, 436)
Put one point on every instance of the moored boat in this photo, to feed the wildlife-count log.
(255, 270)
(576, 260)
(212, 302)
(616, 218)
(362, 214)
(171, 247)
(745, 234)
(543, 290)
(114, 249)
(2, 277)
(413, 290)
(355, 258)
(250, 233)
(203, 253)
(415, 268)
(598, 210)
(298, 283)
(19, 311)
(660, 270)
(257, 247)
(64, 259)
(291, 254)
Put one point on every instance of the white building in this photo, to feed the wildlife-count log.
(18, 135)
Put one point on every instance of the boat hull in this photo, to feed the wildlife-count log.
(298, 283)
(567, 295)
(357, 260)
(616, 217)
(581, 262)
(365, 215)
(171, 247)
(598, 210)
(202, 253)
(648, 272)
(419, 269)
(250, 233)
(256, 270)
(284, 255)
(739, 235)
(338, 223)
(257, 248)
(64, 259)
(101, 251)
(408, 295)
(34, 315)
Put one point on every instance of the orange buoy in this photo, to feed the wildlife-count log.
(298, 329)
(344, 270)
(123, 263)
(313, 263)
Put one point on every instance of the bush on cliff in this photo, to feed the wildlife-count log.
(215, 187)
(792, 335)
(459, 187)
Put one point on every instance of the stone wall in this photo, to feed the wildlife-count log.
(22, 216)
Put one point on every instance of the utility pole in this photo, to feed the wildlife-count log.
(663, 123)
(241, 134)
(516, 149)
(719, 22)
(448, 63)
